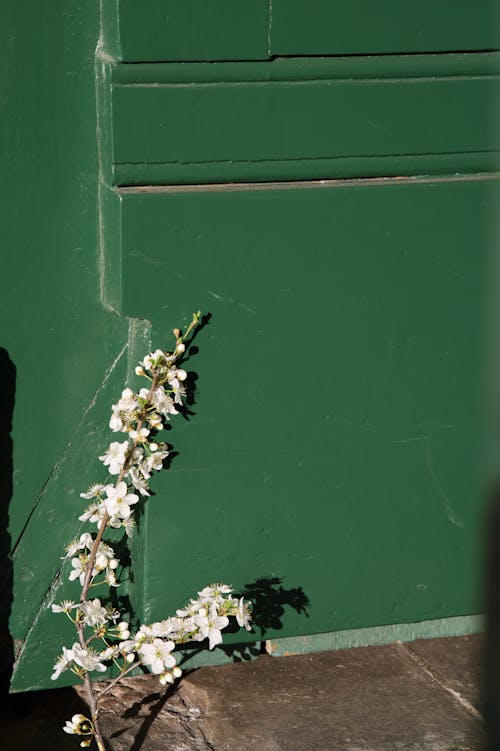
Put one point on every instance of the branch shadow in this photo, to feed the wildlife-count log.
(158, 701)
(269, 602)
(490, 698)
(186, 409)
(270, 599)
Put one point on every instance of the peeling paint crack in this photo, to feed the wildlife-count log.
(47, 600)
(269, 27)
(439, 680)
(432, 474)
(55, 468)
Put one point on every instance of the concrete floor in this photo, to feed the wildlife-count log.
(422, 696)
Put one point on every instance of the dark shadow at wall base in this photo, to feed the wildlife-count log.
(7, 395)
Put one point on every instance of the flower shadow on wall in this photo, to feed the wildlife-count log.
(7, 390)
(269, 602)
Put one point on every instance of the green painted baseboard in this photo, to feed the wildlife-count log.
(377, 635)
(333, 640)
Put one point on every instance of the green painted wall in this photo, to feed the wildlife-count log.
(162, 30)
(335, 440)
(68, 351)
(295, 119)
(336, 435)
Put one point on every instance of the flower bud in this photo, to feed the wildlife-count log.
(177, 333)
(180, 348)
(139, 370)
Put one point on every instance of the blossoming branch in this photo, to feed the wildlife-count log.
(103, 637)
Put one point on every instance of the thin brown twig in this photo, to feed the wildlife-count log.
(92, 699)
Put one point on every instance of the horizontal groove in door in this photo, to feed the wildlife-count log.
(303, 129)
(304, 184)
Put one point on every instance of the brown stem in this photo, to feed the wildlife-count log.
(93, 553)
(94, 711)
(118, 678)
(92, 699)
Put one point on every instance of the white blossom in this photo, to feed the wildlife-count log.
(123, 631)
(163, 402)
(128, 646)
(114, 457)
(64, 607)
(169, 676)
(78, 571)
(110, 578)
(93, 513)
(85, 541)
(115, 422)
(154, 421)
(129, 526)
(175, 385)
(214, 593)
(87, 658)
(62, 663)
(94, 614)
(127, 401)
(93, 492)
(72, 548)
(191, 609)
(78, 725)
(155, 461)
(153, 360)
(105, 557)
(243, 614)
(109, 653)
(134, 460)
(140, 436)
(210, 626)
(124, 411)
(157, 655)
(118, 501)
(138, 481)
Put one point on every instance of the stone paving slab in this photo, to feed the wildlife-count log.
(458, 661)
(416, 697)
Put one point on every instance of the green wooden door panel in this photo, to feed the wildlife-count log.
(198, 30)
(67, 352)
(162, 30)
(335, 436)
(360, 27)
(312, 121)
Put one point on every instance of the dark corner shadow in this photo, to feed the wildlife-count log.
(491, 659)
(7, 395)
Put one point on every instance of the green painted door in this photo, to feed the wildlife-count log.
(326, 192)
